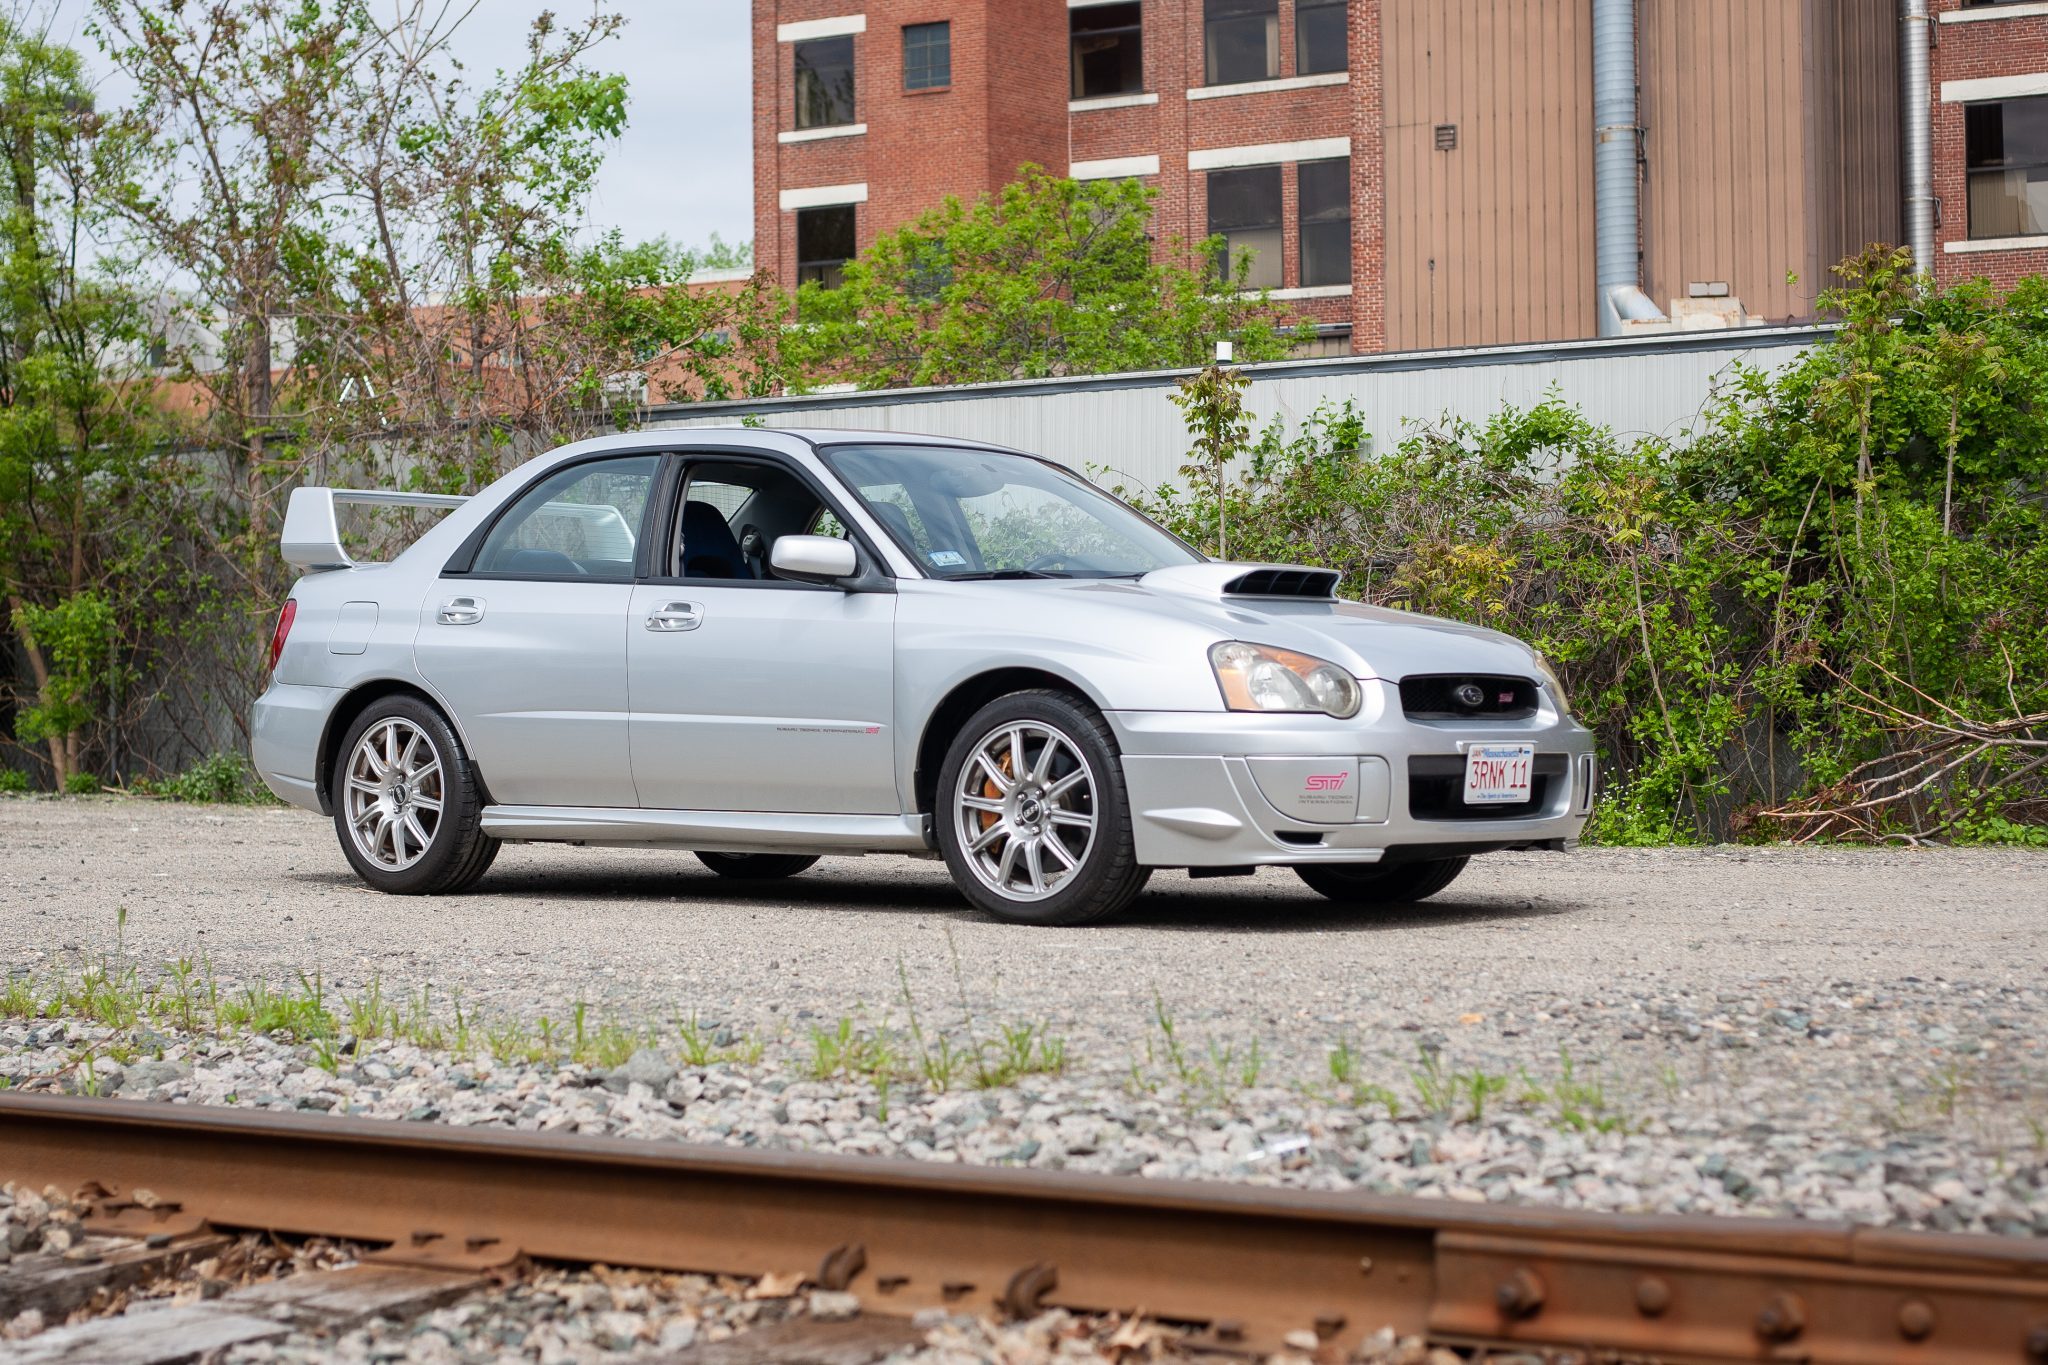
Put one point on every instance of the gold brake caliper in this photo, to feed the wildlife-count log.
(994, 793)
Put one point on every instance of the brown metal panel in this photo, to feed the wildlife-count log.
(1491, 243)
(1729, 192)
(1856, 102)
(1771, 144)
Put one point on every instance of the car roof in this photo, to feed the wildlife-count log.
(653, 439)
(845, 435)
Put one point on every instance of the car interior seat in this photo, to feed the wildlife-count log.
(533, 559)
(710, 550)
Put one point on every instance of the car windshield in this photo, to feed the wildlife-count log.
(985, 514)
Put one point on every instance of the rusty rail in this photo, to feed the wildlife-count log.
(1245, 1265)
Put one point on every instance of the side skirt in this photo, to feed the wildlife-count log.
(710, 831)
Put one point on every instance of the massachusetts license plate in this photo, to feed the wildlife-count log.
(1498, 774)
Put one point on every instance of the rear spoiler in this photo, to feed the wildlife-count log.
(312, 536)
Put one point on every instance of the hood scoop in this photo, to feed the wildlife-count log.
(1247, 580)
(1319, 584)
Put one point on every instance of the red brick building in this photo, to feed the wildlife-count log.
(1989, 93)
(1417, 173)
(864, 119)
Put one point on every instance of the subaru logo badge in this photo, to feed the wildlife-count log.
(1469, 696)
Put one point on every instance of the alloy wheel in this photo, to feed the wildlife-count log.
(394, 793)
(1025, 810)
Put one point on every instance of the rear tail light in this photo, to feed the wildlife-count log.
(284, 628)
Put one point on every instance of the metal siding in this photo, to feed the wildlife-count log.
(1491, 243)
(1729, 150)
(1857, 155)
(1126, 425)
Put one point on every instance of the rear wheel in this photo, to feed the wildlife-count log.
(756, 866)
(407, 806)
(1033, 820)
(1370, 884)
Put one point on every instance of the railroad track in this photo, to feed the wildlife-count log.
(1246, 1269)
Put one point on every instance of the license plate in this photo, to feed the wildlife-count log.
(1498, 774)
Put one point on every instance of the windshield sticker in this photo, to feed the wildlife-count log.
(946, 559)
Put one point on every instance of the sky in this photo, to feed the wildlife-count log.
(684, 167)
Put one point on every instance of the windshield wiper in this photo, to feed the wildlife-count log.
(1006, 573)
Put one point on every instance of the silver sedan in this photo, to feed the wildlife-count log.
(764, 646)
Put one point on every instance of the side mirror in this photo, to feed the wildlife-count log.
(813, 559)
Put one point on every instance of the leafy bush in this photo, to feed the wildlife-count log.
(1850, 552)
(223, 779)
(76, 634)
(1046, 276)
(13, 780)
(81, 784)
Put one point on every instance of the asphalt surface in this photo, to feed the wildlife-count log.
(1892, 962)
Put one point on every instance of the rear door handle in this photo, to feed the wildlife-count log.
(461, 611)
(676, 616)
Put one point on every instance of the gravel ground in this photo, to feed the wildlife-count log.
(1820, 1033)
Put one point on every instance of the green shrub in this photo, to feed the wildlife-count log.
(1746, 617)
(81, 784)
(222, 779)
(13, 780)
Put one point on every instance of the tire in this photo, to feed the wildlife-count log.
(756, 866)
(391, 831)
(1368, 884)
(1055, 848)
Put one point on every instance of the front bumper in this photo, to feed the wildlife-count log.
(285, 729)
(1230, 789)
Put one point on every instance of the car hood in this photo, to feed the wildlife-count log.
(1373, 642)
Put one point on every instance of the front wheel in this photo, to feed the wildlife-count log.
(406, 802)
(756, 866)
(1369, 884)
(1032, 817)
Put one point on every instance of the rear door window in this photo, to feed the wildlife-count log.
(580, 522)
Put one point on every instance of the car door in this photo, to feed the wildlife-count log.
(527, 640)
(751, 693)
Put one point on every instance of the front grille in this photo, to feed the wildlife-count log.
(1436, 789)
(1436, 696)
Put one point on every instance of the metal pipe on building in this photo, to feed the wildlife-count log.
(1617, 264)
(1916, 35)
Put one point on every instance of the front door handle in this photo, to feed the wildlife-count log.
(676, 616)
(461, 611)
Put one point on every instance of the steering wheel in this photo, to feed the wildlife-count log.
(1047, 561)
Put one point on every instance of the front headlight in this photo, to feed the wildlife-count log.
(1261, 678)
(1550, 680)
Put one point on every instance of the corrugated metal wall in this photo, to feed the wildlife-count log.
(1492, 242)
(1770, 144)
(1856, 128)
(1125, 424)
(1725, 196)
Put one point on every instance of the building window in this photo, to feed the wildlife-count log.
(1241, 40)
(927, 56)
(824, 244)
(824, 82)
(1244, 209)
(1107, 56)
(1322, 39)
(1325, 221)
(2005, 147)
